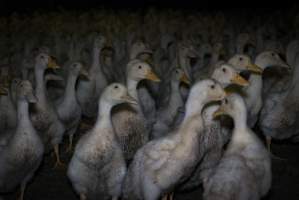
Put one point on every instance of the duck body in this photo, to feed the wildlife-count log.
(244, 172)
(160, 165)
(68, 109)
(131, 126)
(212, 141)
(97, 167)
(279, 116)
(44, 116)
(22, 155)
(89, 91)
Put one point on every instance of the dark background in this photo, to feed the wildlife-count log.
(250, 6)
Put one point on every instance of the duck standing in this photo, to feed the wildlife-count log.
(97, 167)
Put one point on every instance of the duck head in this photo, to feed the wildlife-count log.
(138, 70)
(139, 48)
(25, 91)
(99, 41)
(206, 90)
(117, 93)
(225, 74)
(44, 61)
(178, 75)
(77, 69)
(243, 62)
(232, 105)
(270, 59)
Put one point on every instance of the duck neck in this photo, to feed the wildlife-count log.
(255, 85)
(255, 80)
(70, 91)
(194, 107)
(240, 120)
(184, 63)
(104, 115)
(176, 99)
(95, 60)
(23, 113)
(40, 89)
(132, 88)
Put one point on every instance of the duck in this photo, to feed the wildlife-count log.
(168, 112)
(244, 171)
(7, 106)
(253, 93)
(215, 136)
(131, 127)
(44, 117)
(278, 118)
(97, 167)
(23, 153)
(8, 97)
(68, 108)
(88, 91)
(161, 164)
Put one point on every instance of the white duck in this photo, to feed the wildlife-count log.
(23, 153)
(89, 91)
(253, 93)
(131, 127)
(244, 172)
(214, 136)
(279, 116)
(97, 167)
(160, 165)
(44, 116)
(68, 108)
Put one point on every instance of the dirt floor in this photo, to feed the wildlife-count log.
(52, 184)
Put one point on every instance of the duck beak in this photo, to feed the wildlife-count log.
(239, 80)
(31, 98)
(84, 73)
(220, 111)
(152, 76)
(254, 68)
(52, 63)
(185, 79)
(3, 91)
(127, 98)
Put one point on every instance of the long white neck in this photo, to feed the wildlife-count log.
(104, 115)
(70, 90)
(95, 60)
(194, 106)
(23, 114)
(176, 99)
(255, 81)
(240, 127)
(240, 119)
(40, 89)
(132, 88)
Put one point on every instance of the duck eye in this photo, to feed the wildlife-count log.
(139, 67)
(224, 70)
(240, 58)
(225, 101)
(116, 87)
(273, 54)
(42, 57)
(212, 86)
